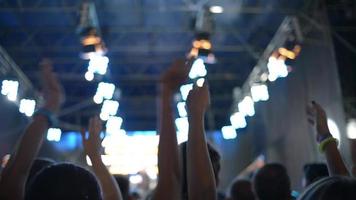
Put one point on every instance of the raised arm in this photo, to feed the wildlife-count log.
(92, 146)
(169, 181)
(327, 143)
(201, 181)
(14, 176)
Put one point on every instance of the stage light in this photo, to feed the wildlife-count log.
(181, 109)
(216, 9)
(228, 132)
(200, 82)
(238, 120)
(246, 106)
(92, 44)
(334, 130)
(351, 129)
(202, 49)
(54, 134)
(104, 91)
(98, 64)
(136, 179)
(27, 107)
(198, 69)
(259, 92)
(89, 76)
(276, 68)
(9, 88)
(109, 108)
(184, 90)
(113, 125)
(182, 124)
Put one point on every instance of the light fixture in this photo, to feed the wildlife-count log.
(200, 82)
(27, 107)
(216, 9)
(89, 76)
(92, 44)
(238, 120)
(185, 89)
(9, 88)
(54, 134)
(104, 91)
(113, 125)
(98, 64)
(351, 129)
(246, 106)
(228, 132)
(109, 108)
(182, 124)
(259, 92)
(198, 69)
(276, 68)
(181, 109)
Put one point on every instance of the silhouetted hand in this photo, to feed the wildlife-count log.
(92, 144)
(317, 117)
(176, 74)
(198, 101)
(51, 87)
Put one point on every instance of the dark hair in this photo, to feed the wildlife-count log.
(37, 166)
(241, 189)
(272, 182)
(124, 185)
(314, 172)
(64, 181)
(331, 188)
(215, 161)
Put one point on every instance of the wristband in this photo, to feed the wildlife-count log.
(325, 142)
(52, 119)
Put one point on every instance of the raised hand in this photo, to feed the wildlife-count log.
(176, 74)
(92, 144)
(198, 101)
(317, 117)
(51, 87)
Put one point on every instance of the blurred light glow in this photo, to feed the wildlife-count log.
(200, 82)
(334, 130)
(181, 109)
(109, 108)
(198, 69)
(136, 179)
(54, 134)
(246, 106)
(184, 90)
(259, 92)
(351, 129)
(98, 64)
(216, 9)
(182, 124)
(228, 132)
(9, 88)
(113, 125)
(238, 120)
(27, 107)
(182, 137)
(89, 76)
(276, 68)
(104, 91)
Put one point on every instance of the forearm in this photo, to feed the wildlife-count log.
(110, 189)
(334, 160)
(16, 172)
(168, 162)
(201, 181)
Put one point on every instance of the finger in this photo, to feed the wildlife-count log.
(90, 126)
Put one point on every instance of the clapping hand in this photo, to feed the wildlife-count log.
(317, 117)
(198, 101)
(92, 143)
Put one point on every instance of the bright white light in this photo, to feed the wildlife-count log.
(216, 9)
(9, 88)
(182, 124)
(181, 109)
(113, 125)
(27, 106)
(238, 120)
(104, 91)
(259, 93)
(184, 90)
(276, 68)
(351, 129)
(98, 64)
(109, 108)
(182, 137)
(54, 134)
(334, 130)
(246, 106)
(136, 179)
(228, 132)
(200, 82)
(198, 69)
(152, 172)
(89, 76)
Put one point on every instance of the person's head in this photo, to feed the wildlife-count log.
(241, 189)
(64, 181)
(214, 158)
(272, 182)
(124, 184)
(314, 172)
(37, 166)
(331, 188)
